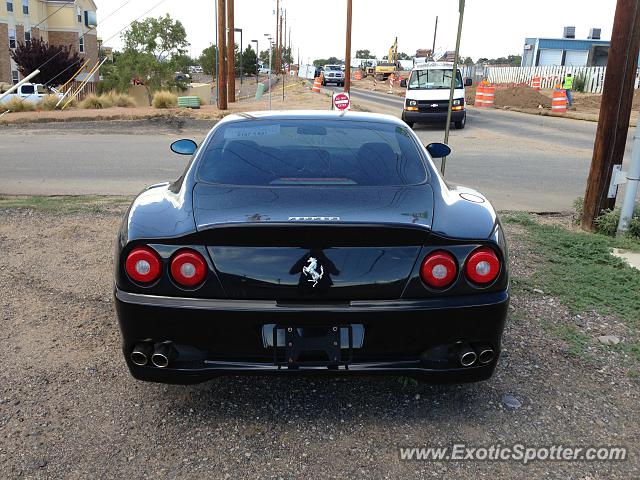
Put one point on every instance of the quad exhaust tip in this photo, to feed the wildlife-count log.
(141, 353)
(485, 354)
(467, 356)
(163, 354)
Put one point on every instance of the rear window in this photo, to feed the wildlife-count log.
(312, 152)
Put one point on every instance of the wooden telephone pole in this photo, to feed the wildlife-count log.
(615, 110)
(347, 53)
(275, 59)
(222, 64)
(231, 53)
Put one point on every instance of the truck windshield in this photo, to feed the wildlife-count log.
(294, 152)
(433, 79)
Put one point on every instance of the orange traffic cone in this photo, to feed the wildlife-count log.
(559, 100)
(316, 85)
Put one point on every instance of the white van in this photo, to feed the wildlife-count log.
(427, 95)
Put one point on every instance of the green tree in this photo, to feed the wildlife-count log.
(264, 57)
(183, 62)
(468, 61)
(57, 63)
(207, 60)
(404, 56)
(151, 47)
(249, 59)
(326, 61)
(364, 54)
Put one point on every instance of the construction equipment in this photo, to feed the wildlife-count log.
(384, 69)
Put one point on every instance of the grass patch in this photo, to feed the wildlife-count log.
(581, 271)
(65, 204)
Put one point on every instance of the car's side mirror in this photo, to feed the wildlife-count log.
(185, 146)
(438, 150)
(468, 82)
(403, 82)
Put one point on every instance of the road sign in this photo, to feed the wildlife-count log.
(341, 101)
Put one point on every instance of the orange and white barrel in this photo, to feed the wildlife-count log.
(479, 100)
(489, 95)
(317, 83)
(357, 75)
(536, 83)
(559, 100)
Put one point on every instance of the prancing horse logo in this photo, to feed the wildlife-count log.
(311, 271)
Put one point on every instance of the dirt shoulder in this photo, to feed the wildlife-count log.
(70, 409)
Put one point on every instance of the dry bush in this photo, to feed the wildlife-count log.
(164, 99)
(122, 100)
(95, 102)
(49, 103)
(17, 105)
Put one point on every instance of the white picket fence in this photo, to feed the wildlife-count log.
(550, 76)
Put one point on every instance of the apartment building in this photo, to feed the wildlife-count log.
(58, 22)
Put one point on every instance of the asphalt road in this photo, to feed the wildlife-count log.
(520, 161)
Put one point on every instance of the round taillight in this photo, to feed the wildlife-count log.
(143, 265)
(439, 269)
(483, 266)
(188, 268)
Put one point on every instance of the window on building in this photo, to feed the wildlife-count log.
(25, 7)
(27, 39)
(81, 44)
(15, 76)
(79, 12)
(9, 5)
(12, 38)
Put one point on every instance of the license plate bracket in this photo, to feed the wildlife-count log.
(312, 346)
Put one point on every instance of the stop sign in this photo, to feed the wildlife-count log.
(341, 101)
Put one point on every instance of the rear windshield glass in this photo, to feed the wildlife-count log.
(312, 152)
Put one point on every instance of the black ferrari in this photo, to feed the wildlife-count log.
(316, 243)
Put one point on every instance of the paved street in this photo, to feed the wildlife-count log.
(521, 162)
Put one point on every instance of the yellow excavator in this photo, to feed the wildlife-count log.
(384, 69)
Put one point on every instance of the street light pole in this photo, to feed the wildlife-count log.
(241, 55)
(257, 62)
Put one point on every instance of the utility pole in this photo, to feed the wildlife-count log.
(284, 44)
(241, 55)
(275, 60)
(435, 33)
(231, 54)
(347, 53)
(454, 77)
(222, 64)
(279, 65)
(615, 110)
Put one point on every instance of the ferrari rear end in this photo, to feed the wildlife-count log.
(277, 255)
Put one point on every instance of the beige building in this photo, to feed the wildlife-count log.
(58, 22)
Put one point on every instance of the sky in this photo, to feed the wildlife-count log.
(492, 28)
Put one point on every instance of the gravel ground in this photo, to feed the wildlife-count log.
(69, 408)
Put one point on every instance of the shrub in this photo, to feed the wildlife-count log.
(49, 103)
(17, 105)
(122, 100)
(578, 209)
(164, 99)
(94, 102)
(579, 82)
(607, 223)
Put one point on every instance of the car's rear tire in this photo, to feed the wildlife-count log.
(461, 124)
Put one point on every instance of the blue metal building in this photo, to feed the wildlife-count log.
(567, 51)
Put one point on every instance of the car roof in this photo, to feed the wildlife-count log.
(313, 115)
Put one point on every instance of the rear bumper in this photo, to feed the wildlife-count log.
(432, 117)
(402, 337)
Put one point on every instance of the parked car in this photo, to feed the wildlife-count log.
(309, 243)
(31, 93)
(264, 70)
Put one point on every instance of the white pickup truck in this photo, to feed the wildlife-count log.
(30, 93)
